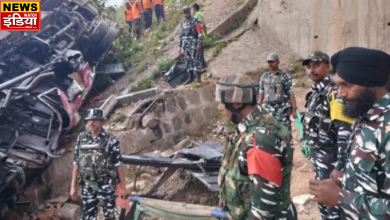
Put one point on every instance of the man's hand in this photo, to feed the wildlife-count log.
(179, 51)
(198, 48)
(337, 175)
(125, 191)
(73, 192)
(325, 191)
(294, 113)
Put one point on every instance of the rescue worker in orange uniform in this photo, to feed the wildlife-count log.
(129, 16)
(136, 8)
(159, 10)
(147, 12)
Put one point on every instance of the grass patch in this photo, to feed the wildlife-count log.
(142, 66)
(195, 85)
(210, 41)
(163, 65)
(139, 57)
(130, 79)
(237, 24)
(119, 118)
(142, 85)
(297, 71)
(155, 74)
(298, 75)
(302, 82)
(218, 48)
(256, 74)
(157, 52)
(240, 2)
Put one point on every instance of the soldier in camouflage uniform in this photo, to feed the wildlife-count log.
(277, 94)
(97, 160)
(364, 192)
(190, 43)
(256, 166)
(326, 129)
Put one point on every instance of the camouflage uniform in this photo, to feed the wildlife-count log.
(327, 138)
(280, 107)
(191, 37)
(256, 167)
(366, 180)
(98, 190)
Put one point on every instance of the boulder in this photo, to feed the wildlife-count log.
(69, 212)
(150, 121)
(149, 135)
(182, 144)
(134, 121)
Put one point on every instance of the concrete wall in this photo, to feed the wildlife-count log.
(227, 23)
(327, 25)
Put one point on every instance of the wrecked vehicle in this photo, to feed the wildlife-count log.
(45, 77)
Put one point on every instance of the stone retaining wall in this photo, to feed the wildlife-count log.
(184, 112)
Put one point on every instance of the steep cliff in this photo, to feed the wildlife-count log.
(330, 25)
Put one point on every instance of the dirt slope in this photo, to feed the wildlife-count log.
(248, 53)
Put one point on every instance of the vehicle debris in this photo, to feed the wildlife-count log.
(203, 162)
(113, 70)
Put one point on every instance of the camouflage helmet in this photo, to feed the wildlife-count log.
(236, 88)
(95, 113)
(316, 56)
(186, 10)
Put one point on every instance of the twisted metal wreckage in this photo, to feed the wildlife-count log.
(203, 162)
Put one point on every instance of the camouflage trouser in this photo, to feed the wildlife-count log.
(236, 198)
(324, 162)
(91, 198)
(289, 213)
(192, 59)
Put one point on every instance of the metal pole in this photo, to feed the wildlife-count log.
(9, 83)
(67, 27)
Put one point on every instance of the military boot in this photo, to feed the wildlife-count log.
(199, 77)
(190, 78)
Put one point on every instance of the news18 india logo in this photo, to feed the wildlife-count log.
(20, 15)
